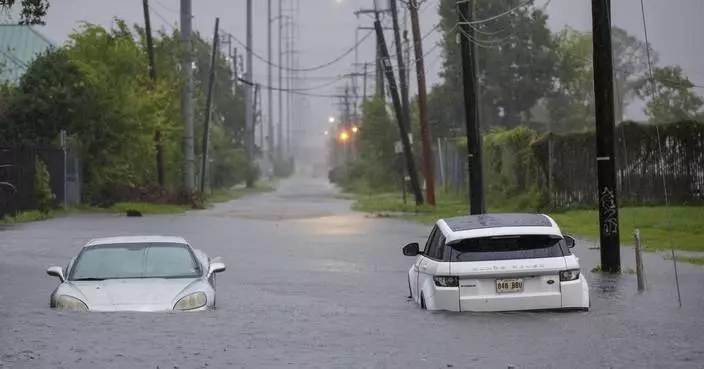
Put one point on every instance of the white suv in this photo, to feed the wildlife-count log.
(497, 262)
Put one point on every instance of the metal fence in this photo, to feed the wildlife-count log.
(18, 173)
(644, 157)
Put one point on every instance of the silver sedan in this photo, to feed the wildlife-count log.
(137, 273)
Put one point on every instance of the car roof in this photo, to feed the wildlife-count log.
(497, 224)
(136, 239)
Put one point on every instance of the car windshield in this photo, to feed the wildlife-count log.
(508, 248)
(148, 260)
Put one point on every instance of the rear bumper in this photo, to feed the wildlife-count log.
(572, 295)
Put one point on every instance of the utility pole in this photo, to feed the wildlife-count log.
(249, 115)
(379, 67)
(208, 110)
(187, 95)
(422, 105)
(255, 112)
(405, 141)
(401, 66)
(288, 53)
(152, 76)
(364, 84)
(270, 92)
(605, 151)
(474, 140)
(365, 75)
(279, 147)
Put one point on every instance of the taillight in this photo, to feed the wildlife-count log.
(569, 275)
(441, 281)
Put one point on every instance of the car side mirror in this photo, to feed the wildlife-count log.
(412, 249)
(570, 241)
(56, 271)
(216, 267)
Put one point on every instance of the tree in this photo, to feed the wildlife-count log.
(669, 97)
(97, 88)
(51, 95)
(375, 144)
(33, 11)
(571, 102)
(515, 60)
(630, 57)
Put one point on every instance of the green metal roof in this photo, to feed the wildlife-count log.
(19, 45)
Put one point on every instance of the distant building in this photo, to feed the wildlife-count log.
(19, 46)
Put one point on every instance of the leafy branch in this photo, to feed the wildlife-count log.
(33, 11)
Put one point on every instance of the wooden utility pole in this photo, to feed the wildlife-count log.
(255, 111)
(364, 84)
(152, 76)
(248, 107)
(423, 106)
(405, 140)
(379, 67)
(474, 139)
(605, 151)
(186, 15)
(208, 103)
(401, 66)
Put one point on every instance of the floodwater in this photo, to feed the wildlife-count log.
(311, 284)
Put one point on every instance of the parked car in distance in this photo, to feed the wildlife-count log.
(137, 273)
(497, 262)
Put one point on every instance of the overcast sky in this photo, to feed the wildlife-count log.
(327, 29)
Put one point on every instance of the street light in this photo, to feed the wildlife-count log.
(331, 119)
(343, 136)
(355, 129)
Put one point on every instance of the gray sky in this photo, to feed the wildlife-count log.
(327, 29)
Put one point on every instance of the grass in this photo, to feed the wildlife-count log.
(696, 260)
(685, 222)
(217, 196)
(597, 270)
(35, 215)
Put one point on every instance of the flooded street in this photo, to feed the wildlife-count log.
(310, 284)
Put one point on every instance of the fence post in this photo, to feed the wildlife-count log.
(640, 273)
(442, 161)
(65, 179)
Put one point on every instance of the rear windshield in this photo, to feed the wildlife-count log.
(508, 248)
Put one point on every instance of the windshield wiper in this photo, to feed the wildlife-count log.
(89, 279)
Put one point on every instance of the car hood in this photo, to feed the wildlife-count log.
(132, 292)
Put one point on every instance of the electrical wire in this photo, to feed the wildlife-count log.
(166, 7)
(668, 215)
(300, 92)
(310, 69)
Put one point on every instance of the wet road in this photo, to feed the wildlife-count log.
(312, 285)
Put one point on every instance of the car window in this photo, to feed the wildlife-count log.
(428, 243)
(508, 248)
(135, 261)
(436, 246)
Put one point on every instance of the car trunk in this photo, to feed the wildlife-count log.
(517, 283)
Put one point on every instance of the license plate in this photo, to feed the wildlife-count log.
(509, 285)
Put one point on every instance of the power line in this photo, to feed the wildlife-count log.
(660, 151)
(300, 92)
(322, 66)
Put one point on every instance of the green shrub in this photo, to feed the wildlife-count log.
(42, 187)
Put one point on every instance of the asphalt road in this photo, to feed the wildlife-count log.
(311, 284)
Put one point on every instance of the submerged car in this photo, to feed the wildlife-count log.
(137, 273)
(497, 262)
